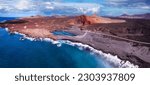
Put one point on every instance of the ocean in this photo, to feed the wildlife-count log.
(17, 51)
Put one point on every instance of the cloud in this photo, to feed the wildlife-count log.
(115, 2)
(140, 5)
(126, 3)
(15, 5)
(118, 7)
(72, 7)
(23, 5)
(145, 7)
(80, 7)
(42, 7)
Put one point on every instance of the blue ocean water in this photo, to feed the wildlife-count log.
(16, 53)
(7, 18)
(59, 32)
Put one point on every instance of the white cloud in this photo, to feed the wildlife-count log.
(23, 5)
(40, 7)
(116, 1)
(15, 5)
(82, 7)
(140, 5)
(145, 7)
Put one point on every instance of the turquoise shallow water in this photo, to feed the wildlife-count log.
(59, 32)
(17, 53)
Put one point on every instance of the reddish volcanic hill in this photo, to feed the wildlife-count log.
(88, 20)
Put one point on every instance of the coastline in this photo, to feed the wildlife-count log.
(113, 59)
(100, 33)
(113, 47)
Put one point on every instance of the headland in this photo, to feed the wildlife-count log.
(126, 38)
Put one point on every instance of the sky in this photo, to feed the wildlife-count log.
(20, 8)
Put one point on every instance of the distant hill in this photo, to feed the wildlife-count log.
(136, 16)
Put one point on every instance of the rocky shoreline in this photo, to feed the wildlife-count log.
(114, 47)
(98, 32)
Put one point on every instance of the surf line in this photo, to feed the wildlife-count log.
(107, 56)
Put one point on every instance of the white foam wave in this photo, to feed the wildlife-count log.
(107, 56)
(7, 29)
(110, 58)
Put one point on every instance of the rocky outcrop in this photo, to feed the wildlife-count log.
(85, 20)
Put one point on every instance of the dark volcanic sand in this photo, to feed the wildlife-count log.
(129, 39)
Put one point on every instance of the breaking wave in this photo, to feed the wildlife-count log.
(114, 60)
(108, 57)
